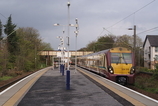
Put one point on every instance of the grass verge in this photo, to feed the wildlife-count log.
(5, 78)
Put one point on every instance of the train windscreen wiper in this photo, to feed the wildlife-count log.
(124, 60)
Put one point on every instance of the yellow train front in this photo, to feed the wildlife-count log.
(117, 64)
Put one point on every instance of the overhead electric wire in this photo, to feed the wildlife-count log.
(3, 15)
(147, 30)
(130, 14)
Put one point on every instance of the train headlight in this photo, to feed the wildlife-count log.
(110, 69)
(132, 71)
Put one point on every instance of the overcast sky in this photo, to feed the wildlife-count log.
(92, 15)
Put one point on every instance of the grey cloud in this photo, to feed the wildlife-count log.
(92, 15)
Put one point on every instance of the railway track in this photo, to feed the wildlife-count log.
(6, 84)
(3, 87)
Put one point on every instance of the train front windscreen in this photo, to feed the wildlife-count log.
(121, 58)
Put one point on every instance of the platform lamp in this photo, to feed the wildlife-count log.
(76, 32)
(68, 71)
(61, 48)
(77, 28)
(63, 38)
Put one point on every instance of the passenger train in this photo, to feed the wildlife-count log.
(116, 64)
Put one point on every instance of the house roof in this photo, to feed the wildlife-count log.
(153, 40)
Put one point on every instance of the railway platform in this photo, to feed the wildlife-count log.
(48, 88)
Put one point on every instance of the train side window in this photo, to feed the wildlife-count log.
(105, 61)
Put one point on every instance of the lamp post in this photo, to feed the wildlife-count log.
(68, 71)
(68, 44)
(76, 32)
(134, 38)
(62, 67)
(77, 28)
(63, 32)
(68, 59)
(62, 39)
(61, 48)
(71, 25)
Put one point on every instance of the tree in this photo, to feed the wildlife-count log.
(30, 46)
(124, 41)
(105, 42)
(12, 42)
(3, 53)
(1, 35)
(83, 49)
(139, 51)
(1, 30)
(102, 43)
(21, 50)
(91, 46)
(12, 39)
(45, 46)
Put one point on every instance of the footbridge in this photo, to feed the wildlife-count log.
(58, 53)
(56, 56)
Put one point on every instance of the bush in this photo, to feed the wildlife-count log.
(147, 83)
(155, 74)
(28, 66)
(139, 84)
(143, 69)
